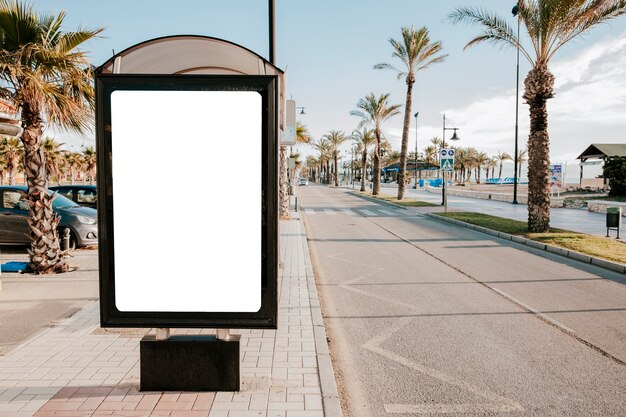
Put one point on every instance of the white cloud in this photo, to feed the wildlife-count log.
(589, 106)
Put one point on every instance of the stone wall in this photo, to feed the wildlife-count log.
(600, 206)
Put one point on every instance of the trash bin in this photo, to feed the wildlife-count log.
(421, 183)
(613, 219)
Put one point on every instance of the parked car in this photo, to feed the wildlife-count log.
(303, 181)
(14, 229)
(83, 195)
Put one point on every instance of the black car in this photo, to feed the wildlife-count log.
(83, 195)
(14, 215)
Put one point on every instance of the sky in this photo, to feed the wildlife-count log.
(329, 47)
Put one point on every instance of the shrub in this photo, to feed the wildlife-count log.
(615, 171)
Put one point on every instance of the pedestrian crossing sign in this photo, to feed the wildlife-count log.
(447, 160)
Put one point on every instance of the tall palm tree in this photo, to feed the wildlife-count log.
(521, 158)
(54, 158)
(335, 138)
(430, 153)
(74, 162)
(311, 163)
(324, 148)
(550, 25)
(363, 139)
(375, 111)
(501, 157)
(49, 79)
(12, 151)
(416, 53)
(89, 161)
(481, 159)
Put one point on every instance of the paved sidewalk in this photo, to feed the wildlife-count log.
(76, 369)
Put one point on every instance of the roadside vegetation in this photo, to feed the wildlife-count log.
(601, 247)
(407, 202)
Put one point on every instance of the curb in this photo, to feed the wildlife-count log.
(603, 263)
(328, 385)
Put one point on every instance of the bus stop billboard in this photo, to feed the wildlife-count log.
(187, 191)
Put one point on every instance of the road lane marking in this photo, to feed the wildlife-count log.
(310, 211)
(367, 212)
(389, 212)
(533, 310)
(330, 212)
(349, 212)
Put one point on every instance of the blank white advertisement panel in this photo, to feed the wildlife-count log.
(186, 176)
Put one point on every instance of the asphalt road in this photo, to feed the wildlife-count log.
(425, 318)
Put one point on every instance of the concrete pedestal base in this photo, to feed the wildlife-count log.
(189, 363)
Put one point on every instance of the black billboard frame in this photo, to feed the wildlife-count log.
(267, 87)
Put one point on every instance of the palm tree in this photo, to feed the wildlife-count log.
(12, 151)
(74, 162)
(416, 53)
(521, 158)
(302, 133)
(481, 159)
(375, 111)
(430, 153)
(363, 139)
(49, 79)
(324, 148)
(336, 138)
(89, 161)
(311, 164)
(3, 167)
(54, 158)
(501, 157)
(550, 24)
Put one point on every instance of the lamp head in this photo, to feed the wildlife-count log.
(515, 10)
(455, 137)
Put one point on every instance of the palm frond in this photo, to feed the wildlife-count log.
(495, 29)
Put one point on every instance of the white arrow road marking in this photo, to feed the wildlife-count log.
(498, 402)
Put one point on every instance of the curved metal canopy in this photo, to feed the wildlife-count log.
(188, 54)
(194, 54)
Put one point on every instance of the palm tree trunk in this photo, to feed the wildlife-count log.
(405, 136)
(364, 169)
(45, 253)
(376, 173)
(283, 187)
(538, 89)
(500, 171)
(336, 172)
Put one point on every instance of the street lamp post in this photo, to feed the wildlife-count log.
(443, 146)
(416, 114)
(515, 12)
